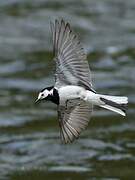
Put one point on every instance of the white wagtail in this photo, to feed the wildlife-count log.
(73, 92)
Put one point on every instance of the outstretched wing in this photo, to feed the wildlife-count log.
(71, 65)
(73, 119)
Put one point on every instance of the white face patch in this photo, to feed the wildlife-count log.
(43, 94)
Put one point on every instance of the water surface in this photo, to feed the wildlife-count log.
(30, 147)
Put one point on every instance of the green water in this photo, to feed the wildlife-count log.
(30, 147)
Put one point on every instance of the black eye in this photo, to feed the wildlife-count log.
(42, 95)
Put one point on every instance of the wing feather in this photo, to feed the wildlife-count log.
(71, 64)
(73, 120)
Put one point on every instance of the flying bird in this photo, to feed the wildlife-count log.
(73, 92)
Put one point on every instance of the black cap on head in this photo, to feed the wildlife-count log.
(48, 88)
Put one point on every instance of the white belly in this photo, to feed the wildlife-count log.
(75, 92)
(69, 92)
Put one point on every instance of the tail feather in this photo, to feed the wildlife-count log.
(117, 99)
(115, 103)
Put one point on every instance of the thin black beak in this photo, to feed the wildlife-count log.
(37, 101)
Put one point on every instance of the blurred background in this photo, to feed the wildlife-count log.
(30, 147)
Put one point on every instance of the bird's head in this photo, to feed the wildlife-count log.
(45, 94)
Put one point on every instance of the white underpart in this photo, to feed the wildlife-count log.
(69, 92)
(73, 92)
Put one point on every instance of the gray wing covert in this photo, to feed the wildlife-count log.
(71, 65)
(73, 119)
